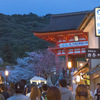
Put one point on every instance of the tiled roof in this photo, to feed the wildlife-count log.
(63, 22)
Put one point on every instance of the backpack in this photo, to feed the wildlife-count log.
(45, 97)
(42, 98)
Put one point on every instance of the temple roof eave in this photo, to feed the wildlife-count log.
(57, 32)
(53, 37)
(51, 31)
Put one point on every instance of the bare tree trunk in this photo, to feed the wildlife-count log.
(49, 82)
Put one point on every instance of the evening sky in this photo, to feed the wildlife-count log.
(43, 7)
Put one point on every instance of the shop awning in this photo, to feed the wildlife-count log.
(84, 68)
(93, 70)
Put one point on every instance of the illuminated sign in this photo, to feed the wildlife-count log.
(97, 21)
(74, 44)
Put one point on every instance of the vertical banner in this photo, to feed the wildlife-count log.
(97, 22)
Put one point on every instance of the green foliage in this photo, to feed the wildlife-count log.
(16, 35)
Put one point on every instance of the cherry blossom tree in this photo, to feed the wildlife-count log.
(41, 63)
(25, 68)
(46, 65)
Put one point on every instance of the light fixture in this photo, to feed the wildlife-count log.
(76, 39)
(81, 64)
(39, 81)
(87, 60)
(73, 81)
(69, 65)
(31, 82)
(6, 73)
(78, 78)
(45, 82)
(81, 76)
(54, 72)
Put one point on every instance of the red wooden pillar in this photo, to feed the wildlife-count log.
(72, 59)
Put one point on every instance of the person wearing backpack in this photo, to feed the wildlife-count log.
(65, 93)
(44, 88)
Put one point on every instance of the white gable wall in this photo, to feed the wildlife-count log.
(90, 28)
(93, 41)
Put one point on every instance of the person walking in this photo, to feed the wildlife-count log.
(36, 94)
(3, 92)
(82, 93)
(65, 93)
(28, 94)
(2, 97)
(19, 89)
(44, 89)
(25, 86)
(12, 89)
(53, 93)
(97, 92)
(89, 91)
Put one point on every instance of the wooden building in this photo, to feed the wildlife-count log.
(63, 31)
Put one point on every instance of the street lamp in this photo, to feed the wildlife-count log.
(69, 67)
(6, 74)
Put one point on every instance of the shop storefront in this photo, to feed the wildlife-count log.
(79, 76)
(95, 76)
(88, 25)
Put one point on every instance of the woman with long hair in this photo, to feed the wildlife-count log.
(82, 93)
(35, 94)
(53, 93)
(12, 89)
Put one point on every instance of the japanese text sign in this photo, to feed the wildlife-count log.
(93, 53)
(97, 21)
(74, 44)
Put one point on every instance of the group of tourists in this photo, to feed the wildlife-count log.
(19, 91)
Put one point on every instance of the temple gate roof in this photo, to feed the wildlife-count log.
(64, 22)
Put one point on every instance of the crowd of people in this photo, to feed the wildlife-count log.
(19, 91)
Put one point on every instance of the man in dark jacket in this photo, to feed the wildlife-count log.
(44, 91)
(19, 89)
(24, 81)
(3, 92)
(65, 93)
(98, 92)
